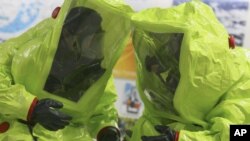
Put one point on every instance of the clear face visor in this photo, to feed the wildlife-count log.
(77, 62)
(165, 61)
(159, 74)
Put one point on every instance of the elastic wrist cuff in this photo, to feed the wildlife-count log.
(31, 109)
(176, 136)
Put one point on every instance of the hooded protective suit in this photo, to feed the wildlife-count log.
(68, 58)
(188, 77)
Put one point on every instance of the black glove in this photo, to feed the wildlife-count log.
(109, 133)
(47, 114)
(167, 134)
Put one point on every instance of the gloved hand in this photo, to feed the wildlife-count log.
(167, 134)
(108, 133)
(46, 112)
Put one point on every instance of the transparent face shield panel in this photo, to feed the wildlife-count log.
(77, 62)
(159, 55)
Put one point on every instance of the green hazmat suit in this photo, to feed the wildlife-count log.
(188, 77)
(67, 59)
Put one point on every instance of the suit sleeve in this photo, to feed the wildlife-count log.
(15, 100)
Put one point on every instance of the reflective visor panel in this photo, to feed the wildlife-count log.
(77, 62)
(165, 62)
(158, 55)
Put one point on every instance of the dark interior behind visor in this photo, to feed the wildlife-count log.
(77, 62)
(161, 55)
(166, 58)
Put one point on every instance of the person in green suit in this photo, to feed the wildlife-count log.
(55, 79)
(192, 79)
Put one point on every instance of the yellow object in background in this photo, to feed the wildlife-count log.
(125, 66)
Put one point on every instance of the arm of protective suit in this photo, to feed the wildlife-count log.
(105, 113)
(15, 100)
(234, 108)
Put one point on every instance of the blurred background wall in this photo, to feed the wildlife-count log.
(16, 16)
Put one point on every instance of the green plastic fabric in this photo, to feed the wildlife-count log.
(213, 88)
(25, 63)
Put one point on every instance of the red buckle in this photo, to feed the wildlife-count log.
(231, 41)
(4, 126)
(55, 12)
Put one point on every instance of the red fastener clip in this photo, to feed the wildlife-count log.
(4, 126)
(231, 41)
(55, 12)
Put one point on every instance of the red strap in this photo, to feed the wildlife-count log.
(231, 41)
(31, 109)
(177, 136)
(4, 126)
